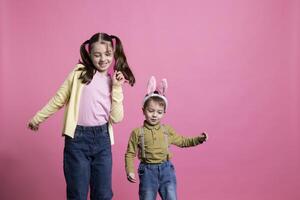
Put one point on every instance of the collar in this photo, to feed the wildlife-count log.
(151, 127)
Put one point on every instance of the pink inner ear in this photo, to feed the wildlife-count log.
(164, 85)
(151, 85)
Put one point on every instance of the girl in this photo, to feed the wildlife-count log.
(93, 102)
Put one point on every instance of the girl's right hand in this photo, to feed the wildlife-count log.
(118, 78)
(33, 127)
(131, 177)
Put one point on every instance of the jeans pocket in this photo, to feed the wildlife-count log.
(141, 170)
(172, 167)
(77, 137)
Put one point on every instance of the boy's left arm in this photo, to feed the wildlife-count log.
(182, 141)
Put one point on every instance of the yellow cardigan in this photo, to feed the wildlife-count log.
(69, 94)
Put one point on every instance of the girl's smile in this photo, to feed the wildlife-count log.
(102, 56)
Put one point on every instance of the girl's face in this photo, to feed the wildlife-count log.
(102, 56)
(154, 112)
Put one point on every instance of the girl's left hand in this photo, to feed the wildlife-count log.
(118, 78)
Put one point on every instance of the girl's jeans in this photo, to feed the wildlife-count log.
(88, 163)
(157, 178)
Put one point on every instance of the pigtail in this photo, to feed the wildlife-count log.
(88, 71)
(84, 54)
(121, 61)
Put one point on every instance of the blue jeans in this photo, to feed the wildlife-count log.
(88, 164)
(159, 178)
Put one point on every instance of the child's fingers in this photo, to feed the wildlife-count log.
(205, 136)
(131, 178)
(32, 127)
(119, 76)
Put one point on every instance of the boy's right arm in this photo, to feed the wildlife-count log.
(55, 103)
(130, 154)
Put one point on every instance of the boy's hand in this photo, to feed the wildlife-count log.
(131, 177)
(33, 127)
(204, 137)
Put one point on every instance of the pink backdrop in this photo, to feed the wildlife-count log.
(233, 71)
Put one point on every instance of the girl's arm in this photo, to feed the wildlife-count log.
(117, 112)
(55, 103)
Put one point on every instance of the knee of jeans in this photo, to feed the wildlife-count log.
(169, 192)
(147, 194)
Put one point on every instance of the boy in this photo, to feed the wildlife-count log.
(151, 141)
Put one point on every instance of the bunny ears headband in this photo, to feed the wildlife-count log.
(153, 91)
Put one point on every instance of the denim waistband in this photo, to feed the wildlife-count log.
(157, 165)
(92, 128)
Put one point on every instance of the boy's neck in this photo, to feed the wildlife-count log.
(151, 126)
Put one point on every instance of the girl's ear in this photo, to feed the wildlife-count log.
(151, 85)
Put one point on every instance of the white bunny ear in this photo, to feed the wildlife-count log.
(164, 85)
(151, 85)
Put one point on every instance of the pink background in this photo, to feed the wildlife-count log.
(233, 71)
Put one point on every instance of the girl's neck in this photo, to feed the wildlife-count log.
(103, 73)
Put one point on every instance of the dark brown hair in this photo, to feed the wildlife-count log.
(120, 59)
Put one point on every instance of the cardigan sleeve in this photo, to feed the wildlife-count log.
(117, 111)
(56, 102)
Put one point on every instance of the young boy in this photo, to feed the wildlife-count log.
(151, 142)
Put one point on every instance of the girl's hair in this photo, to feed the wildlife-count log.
(120, 59)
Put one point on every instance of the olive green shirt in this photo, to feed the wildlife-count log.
(155, 147)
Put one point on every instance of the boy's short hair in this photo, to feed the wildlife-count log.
(157, 99)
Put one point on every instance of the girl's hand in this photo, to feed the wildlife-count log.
(118, 78)
(33, 127)
(131, 177)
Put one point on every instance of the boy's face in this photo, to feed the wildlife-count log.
(154, 112)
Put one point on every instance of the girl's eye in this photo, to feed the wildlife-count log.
(159, 113)
(108, 54)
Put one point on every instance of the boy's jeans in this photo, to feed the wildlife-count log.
(88, 162)
(157, 178)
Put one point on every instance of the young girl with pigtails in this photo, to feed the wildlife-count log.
(93, 101)
(151, 143)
